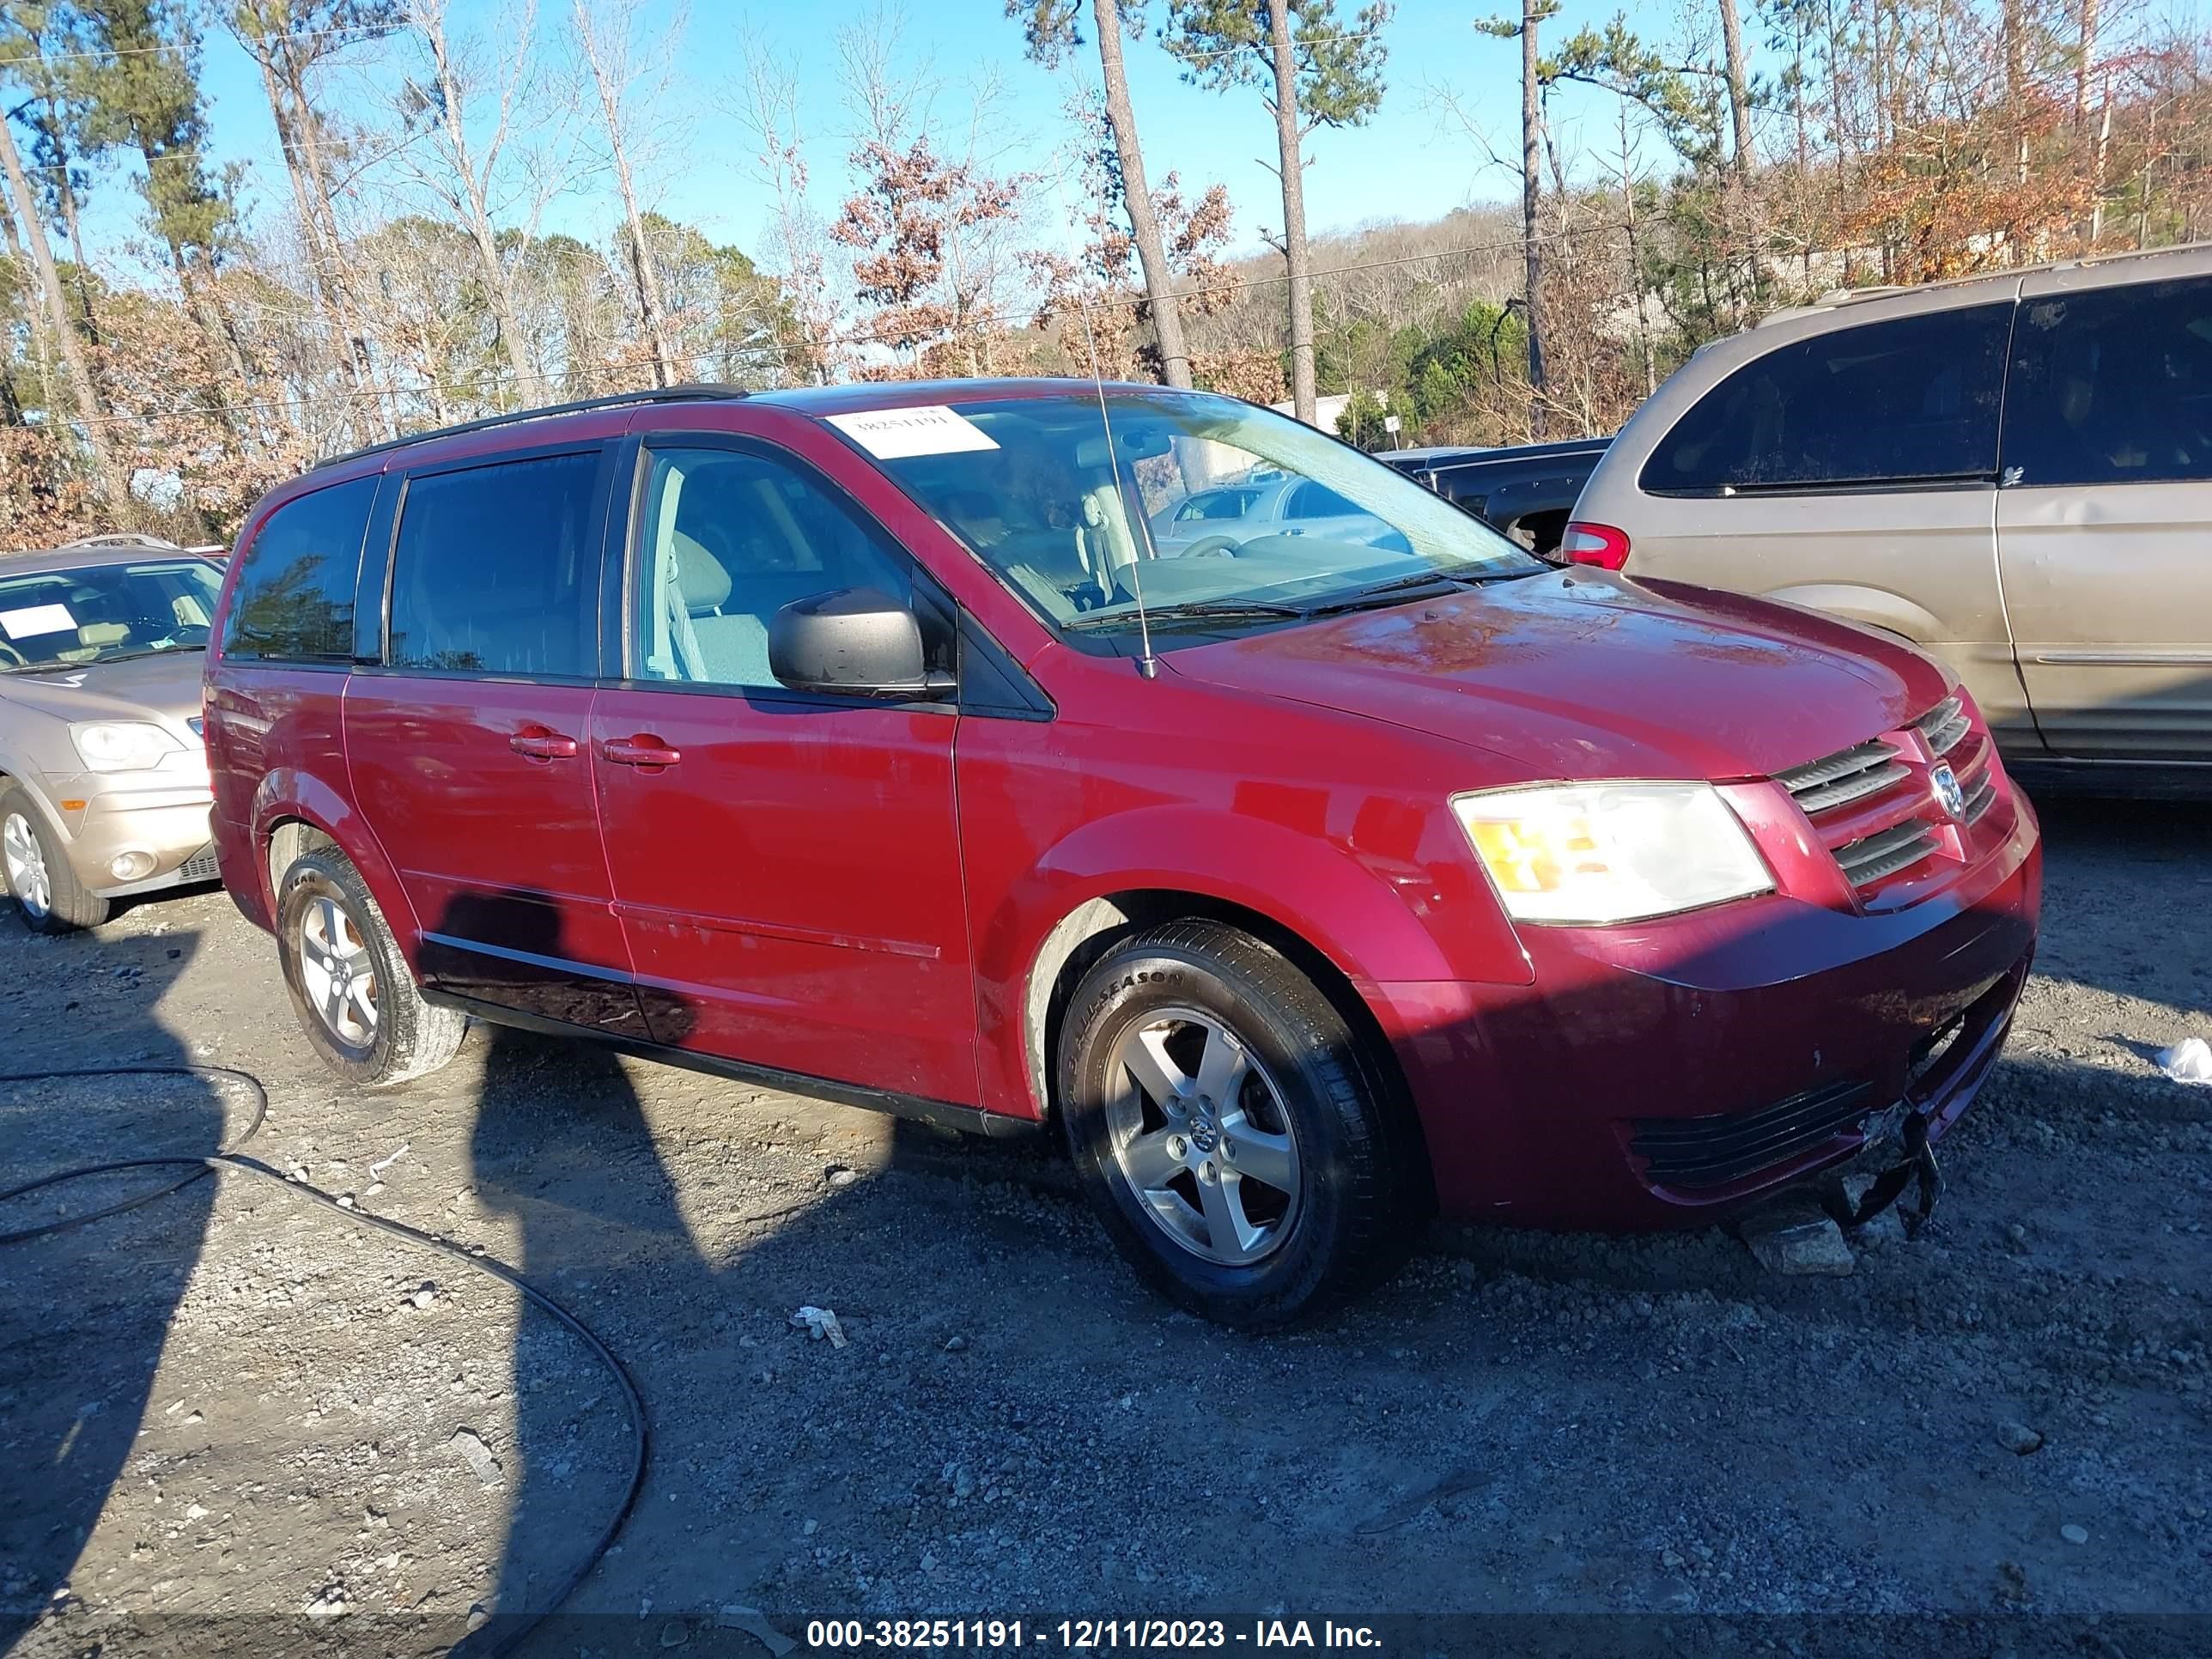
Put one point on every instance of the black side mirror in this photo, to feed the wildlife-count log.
(854, 642)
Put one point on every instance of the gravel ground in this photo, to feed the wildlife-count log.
(234, 1405)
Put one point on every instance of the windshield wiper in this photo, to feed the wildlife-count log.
(1429, 584)
(1189, 610)
(149, 651)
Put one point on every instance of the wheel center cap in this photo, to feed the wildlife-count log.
(1205, 1134)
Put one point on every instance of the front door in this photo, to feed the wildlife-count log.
(468, 745)
(2103, 518)
(787, 866)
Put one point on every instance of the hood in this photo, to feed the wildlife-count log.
(165, 687)
(1583, 674)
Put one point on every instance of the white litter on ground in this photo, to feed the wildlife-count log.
(384, 1163)
(2189, 1061)
(823, 1322)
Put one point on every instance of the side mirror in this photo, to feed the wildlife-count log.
(854, 642)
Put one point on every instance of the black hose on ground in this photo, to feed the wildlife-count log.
(230, 1157)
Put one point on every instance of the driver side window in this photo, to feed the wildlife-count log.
(728, 538)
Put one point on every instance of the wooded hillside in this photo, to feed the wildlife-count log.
(1661, 187)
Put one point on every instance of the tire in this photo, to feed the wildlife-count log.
(1267, 1240)
(33, 861)
(351, 988)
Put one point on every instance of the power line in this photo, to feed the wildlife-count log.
(111, 54)
(87, 164)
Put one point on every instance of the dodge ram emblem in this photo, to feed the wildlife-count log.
(1948, 795)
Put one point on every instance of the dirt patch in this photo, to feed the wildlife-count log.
(225, 1406)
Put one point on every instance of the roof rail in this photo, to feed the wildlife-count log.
(122, 538)
(667, 394)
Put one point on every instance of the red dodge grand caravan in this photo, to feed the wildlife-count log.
(963, 750)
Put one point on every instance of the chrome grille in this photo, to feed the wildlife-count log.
(1944, 724)
(1979, 794)
(201, 866)
(1871, 803)
(1821, 786)
(1886, 852)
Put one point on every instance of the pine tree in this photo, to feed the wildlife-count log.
(144, 94)
(1311, 71)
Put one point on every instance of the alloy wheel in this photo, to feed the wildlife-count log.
(337, 972)
(25, 863)
(1200, 1131)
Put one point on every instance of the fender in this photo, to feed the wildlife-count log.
(25, 776)
(286, 791)
(1314, 888)
(1869, 607)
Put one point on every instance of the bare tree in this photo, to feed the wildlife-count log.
(2085, 62)
(627, 85)
(463, 159)
(768, 105)
(886, 99)
(64, 325)
(1050, 26)
(291, 41)
(930, 229)
(45, 46)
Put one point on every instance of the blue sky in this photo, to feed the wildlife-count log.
(1409, 162)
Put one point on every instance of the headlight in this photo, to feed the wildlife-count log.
(122, 745)
(1611, 852)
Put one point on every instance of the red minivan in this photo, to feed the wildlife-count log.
(979, 752)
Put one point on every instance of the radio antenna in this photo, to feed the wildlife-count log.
(1148, 666)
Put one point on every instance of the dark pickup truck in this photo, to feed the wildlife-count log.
(1528, 491)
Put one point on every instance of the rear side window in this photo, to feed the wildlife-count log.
(1217, 504)
(496, 570)
(2113, 387)
(1314, 501)
(1914, 401)
(295, 597)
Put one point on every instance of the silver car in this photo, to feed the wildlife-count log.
(1224, 517)
(2013, 471)
(103, 781)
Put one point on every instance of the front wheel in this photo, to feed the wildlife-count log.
(38, 872)
(351, 985)
(1238, 1144)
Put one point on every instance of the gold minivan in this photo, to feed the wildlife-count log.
(2013, 471)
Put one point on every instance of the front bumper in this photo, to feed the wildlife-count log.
(1641, 1079)
(155, 817)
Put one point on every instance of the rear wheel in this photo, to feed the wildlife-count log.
(351, 985)
(38, 872)
(1228, 1129)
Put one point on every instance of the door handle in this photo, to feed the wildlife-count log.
(541, 744)
(643, 750)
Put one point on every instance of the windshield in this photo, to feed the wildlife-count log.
(49, 618)
(1218, 513)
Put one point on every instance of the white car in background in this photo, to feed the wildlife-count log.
(1225, 516)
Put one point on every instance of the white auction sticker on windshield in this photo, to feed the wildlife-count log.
(892, 434)
(33, 620)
